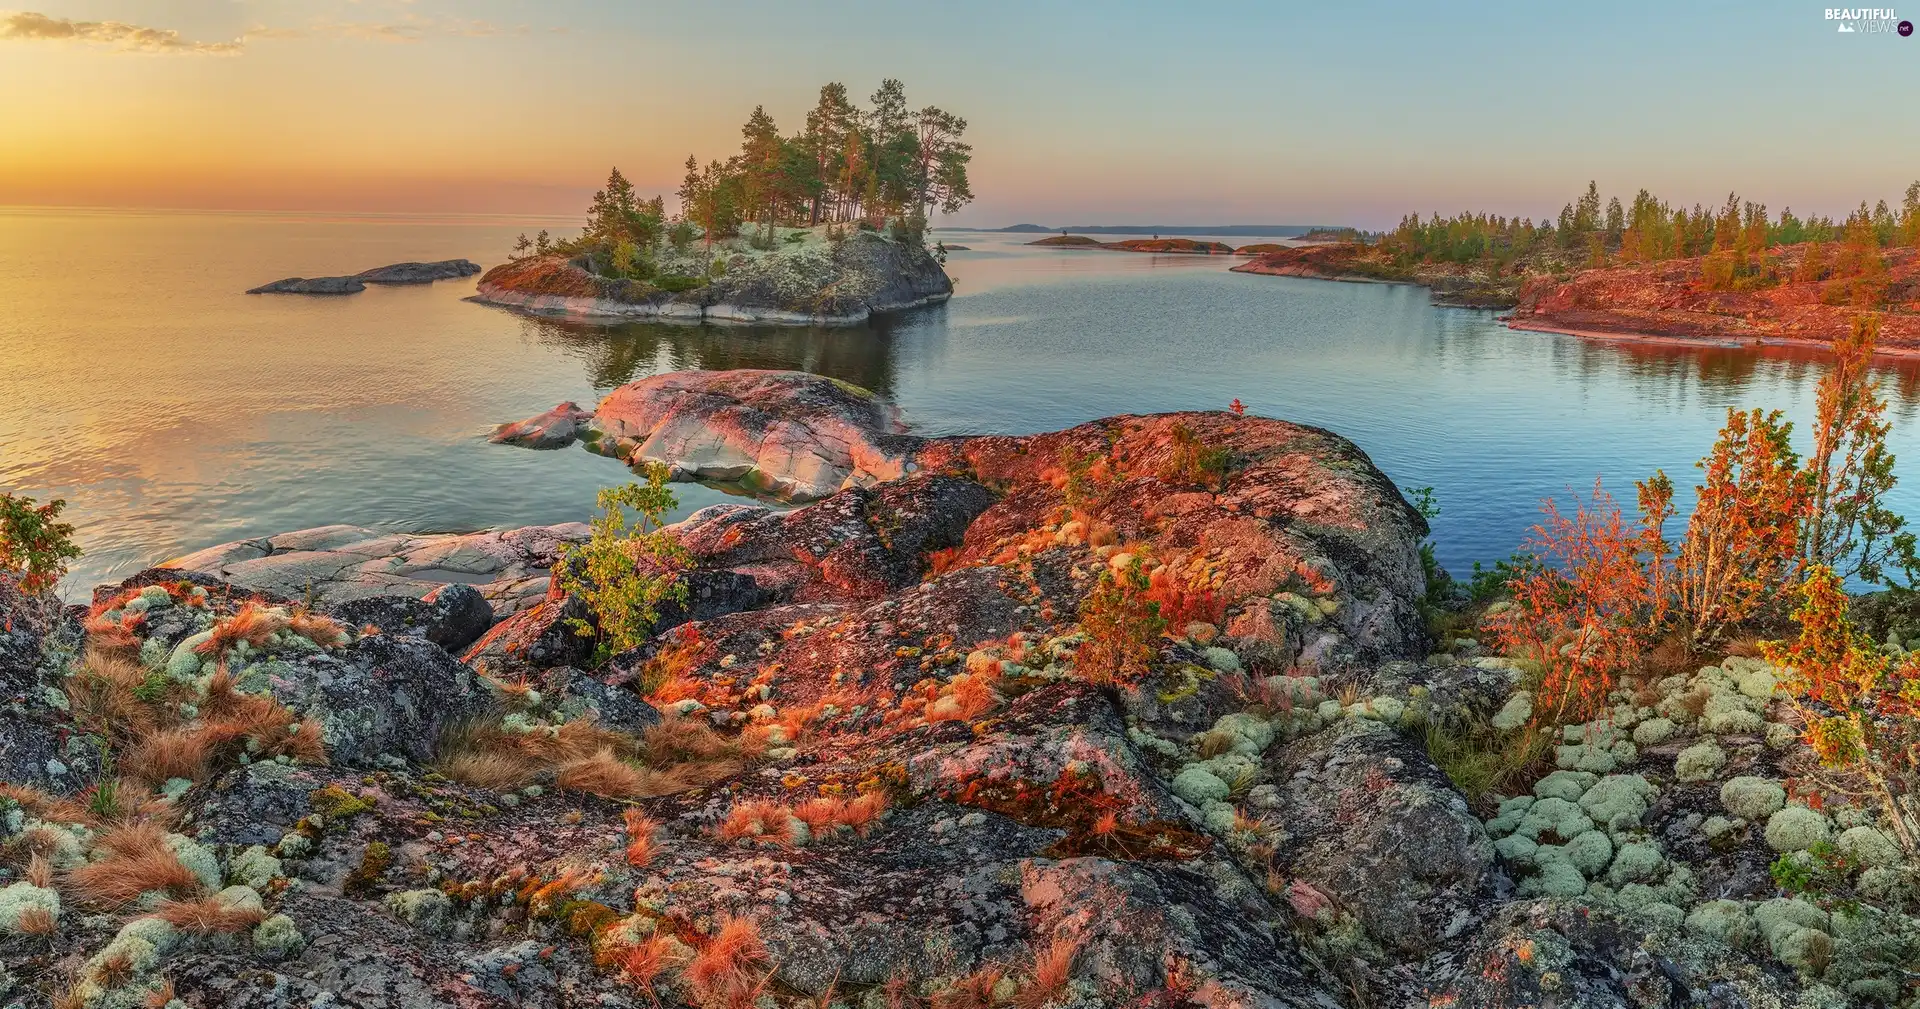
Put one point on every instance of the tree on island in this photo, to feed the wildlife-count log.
(881, 166)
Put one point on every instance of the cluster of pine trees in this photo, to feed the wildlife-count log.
(1734, 239)
(848, 165)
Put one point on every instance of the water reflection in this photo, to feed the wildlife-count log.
(615, 354)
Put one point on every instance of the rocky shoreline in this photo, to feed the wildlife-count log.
(915, 743)
(1451, 285)
(843, 283)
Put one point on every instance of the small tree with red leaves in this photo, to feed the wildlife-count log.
(1850, 471)
(1586, 612)
(34, 542)
(1741, 546)
(1859, 707)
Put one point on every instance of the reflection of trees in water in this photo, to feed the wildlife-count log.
(617, 354)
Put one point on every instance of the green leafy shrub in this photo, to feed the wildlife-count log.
(1195, 463)
(33, 542)
(676, 283)
(625, 573)
(680, 235)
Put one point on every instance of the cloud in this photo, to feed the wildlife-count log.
(410, 29)
(28, 26)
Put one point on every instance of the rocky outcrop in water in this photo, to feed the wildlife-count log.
(817, 283)
(396, 273)
(883, 731)
(557, 428)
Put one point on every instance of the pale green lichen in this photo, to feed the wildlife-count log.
(1589, 852)
(254, 867)
(277, 937)
(426, 910)
(1752, 798)
(199, 859)
(1515, 713)
(1563, 784)
(1617, 801)
(1868, 846)
(1700, 761)
(1653, 731)
(1796, 828)
(1636, 862)
(17, 899)
(1723, 920)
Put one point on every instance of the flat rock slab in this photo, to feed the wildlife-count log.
(395, 273)
(334, 564)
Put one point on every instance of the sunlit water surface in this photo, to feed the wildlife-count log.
(174, 412)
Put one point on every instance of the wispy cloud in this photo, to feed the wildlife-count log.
(409, 29)
(28, 26)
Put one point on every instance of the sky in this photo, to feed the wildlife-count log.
(1099, 111)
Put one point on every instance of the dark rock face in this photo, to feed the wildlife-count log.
(419, 273)
(452, 616)
(314, 285)
(397, 273)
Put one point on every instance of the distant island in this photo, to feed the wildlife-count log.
(1186, 246)
(826, 227)
(1225, 230)
(1651, 270)
(394, 274)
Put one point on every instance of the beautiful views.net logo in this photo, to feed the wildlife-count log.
(1869, 19)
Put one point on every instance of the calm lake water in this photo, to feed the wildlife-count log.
(174, 412)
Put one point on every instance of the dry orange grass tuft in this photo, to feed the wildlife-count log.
(114, 635)
(1048, 976)
(208, 916)
(496, 771)
(101, 696)
(727, 971)
(641, 830)
(679, 740)
(137, 861)
(253, 623)
(321, 630)
(644, 962)
(39, 871)
(825, 814)
(35, 921)
(169, 753)
(974, 991)
(758, 820)
(44, 806)
(602, 773)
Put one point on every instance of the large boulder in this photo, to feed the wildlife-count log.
(556, 428)
(789, 434)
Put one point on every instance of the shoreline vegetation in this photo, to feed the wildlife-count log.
(1651, 271)
(1183, 246)
(824, 227)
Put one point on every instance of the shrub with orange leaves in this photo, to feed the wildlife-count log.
(1123, 628)
(1185, 599)
(1741, 546)
(1587, 612)
(1859, 707)
(1850, 472)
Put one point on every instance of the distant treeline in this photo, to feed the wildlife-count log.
(1647, 230)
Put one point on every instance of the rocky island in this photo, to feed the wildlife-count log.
(396, 273)
(1155, 711)
(1186, 246)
